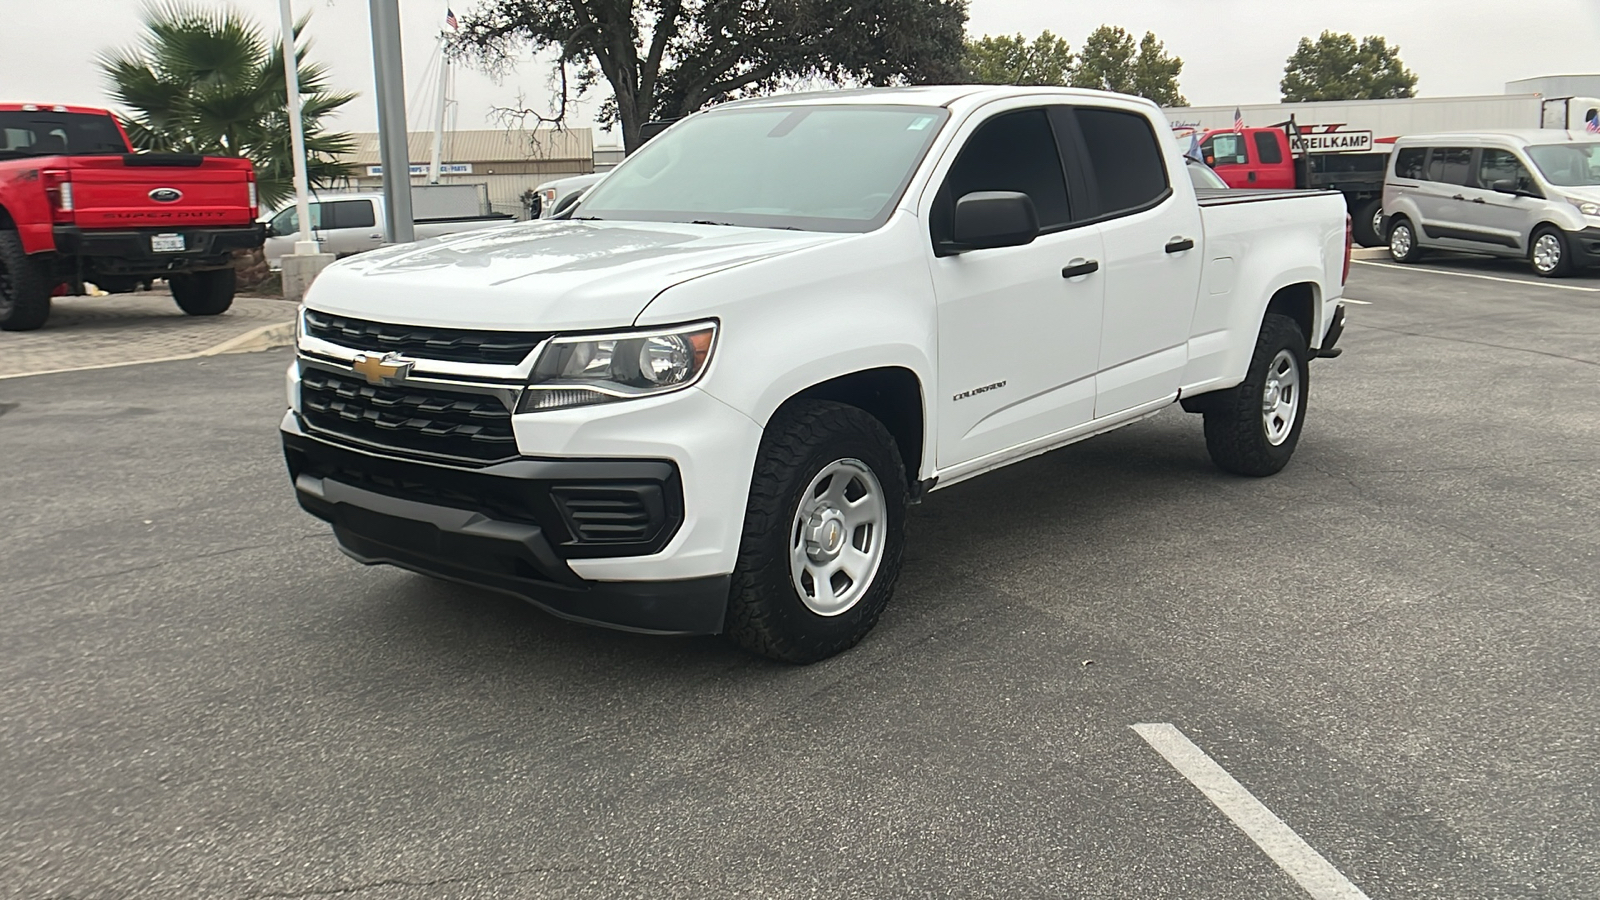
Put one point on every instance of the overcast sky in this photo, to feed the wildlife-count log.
(1233, 50)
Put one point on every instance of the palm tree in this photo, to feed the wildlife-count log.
(207, 80)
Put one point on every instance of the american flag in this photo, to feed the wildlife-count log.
(1592, 123)
(1238, 121)
(450, 19)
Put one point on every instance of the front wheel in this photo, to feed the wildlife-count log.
(822, 535)
(1253, 429)
(1549, 254)
(1403, 242)
(206, 293)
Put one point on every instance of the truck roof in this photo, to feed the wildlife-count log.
(933, 95)
(53, 107)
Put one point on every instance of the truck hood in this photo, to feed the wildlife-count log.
(541, 276)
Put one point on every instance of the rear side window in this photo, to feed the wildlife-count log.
(1124, 157)
(1225, 150)
(348, 214)
(1267, 148)
(1014, 151)
(1411, 163)
(42, 133)
(1451, 165)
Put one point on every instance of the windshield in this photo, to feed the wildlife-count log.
(812, 168)
(45, 133)
(1568, 165)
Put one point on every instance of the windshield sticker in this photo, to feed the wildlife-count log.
(919, 123)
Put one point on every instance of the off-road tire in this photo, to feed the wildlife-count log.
(1236, 432)
(1563, 266)
(206, 293)
(24, 287)
(765, 613)
(1363, 223)
(1413, 252)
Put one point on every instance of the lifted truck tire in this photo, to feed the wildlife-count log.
(24, 288)
(811, 499)
(1252, 429)
(206, 293)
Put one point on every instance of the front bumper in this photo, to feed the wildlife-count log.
(511, 527)
(1585, 247)
(128, 252)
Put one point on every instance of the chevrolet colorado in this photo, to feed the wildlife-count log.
(702, 401)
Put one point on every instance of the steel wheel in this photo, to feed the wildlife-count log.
(1377, 222)
(1280, 400)
(837, 538)
(1400, 241)
(1547, 252)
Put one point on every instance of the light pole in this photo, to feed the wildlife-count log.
(304, 245)
(389, 78)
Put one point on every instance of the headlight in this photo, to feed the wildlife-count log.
(1586, 207)
(587, 369)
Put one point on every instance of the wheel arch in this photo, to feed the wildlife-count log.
(1299, 302)
(893, 395)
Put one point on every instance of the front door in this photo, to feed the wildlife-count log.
(1508, 219)
(1018, 334)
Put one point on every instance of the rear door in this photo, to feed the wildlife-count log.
(349, 226)
(1446, 210)
(1273, 166)
(1151, 230)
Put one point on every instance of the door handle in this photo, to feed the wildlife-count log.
(1479, 200)
(1081, 267)
(1250, 177)
(376, 237)
(1458, 197)
(1180, 244)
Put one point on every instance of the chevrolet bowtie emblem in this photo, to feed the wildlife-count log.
(386, 369)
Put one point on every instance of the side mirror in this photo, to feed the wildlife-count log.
(986, 219)
(1505, 186)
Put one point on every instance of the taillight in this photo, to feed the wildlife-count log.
(58, 187)
(1349, 237)
(255, 208)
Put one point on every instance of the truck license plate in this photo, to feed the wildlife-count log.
(166, 243)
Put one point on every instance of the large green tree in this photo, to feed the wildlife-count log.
(1046, 60)
(1337, 68)
(1111, 61)
(208, 80)
(667, 58)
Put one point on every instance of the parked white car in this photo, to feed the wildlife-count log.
(703, 402)
(557, 195)
(1531, 194)
(352, 223)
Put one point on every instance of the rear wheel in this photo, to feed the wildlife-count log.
(1366, 223)
(203, 293)
(1253, 429)
(24, 287)
(822, 534)
(1403, 241)
(1548, 253)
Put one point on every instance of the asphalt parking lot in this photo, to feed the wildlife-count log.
(1394, 646)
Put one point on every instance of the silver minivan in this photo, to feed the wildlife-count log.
(1532, 195)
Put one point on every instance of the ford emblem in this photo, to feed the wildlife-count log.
(166, 195)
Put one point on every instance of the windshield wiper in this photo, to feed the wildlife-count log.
(709, 222)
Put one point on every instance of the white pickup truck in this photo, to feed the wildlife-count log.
(702, 402)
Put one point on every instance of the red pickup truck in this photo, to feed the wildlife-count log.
(78, 205)
(1262, 158)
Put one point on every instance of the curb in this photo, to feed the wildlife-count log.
(278, 334)
(1369, 252)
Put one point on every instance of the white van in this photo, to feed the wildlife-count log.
(1533, 195)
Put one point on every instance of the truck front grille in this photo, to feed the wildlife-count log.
(412, 418)
(452, 344)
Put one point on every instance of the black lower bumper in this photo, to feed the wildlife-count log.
(378, 518)
(129, 252)
(1585, 247)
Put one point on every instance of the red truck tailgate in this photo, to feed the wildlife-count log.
(131, 192)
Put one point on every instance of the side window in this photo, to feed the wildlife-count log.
(1267, 148)
(1411, 163)
(1014, 151)
(1126, 162)
(1503, 165)
(1451, 165)
(349, 214)
(286, 222)
(1225, 150)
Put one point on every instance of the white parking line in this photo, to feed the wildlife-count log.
(1524, 281)
(1354, 300)
(1292, 854)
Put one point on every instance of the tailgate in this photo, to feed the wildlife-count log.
(140, 191)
